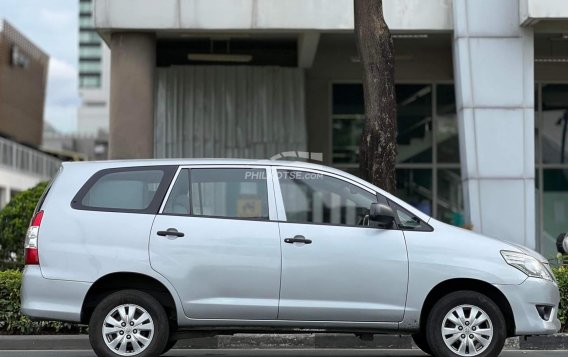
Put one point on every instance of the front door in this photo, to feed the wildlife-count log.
(335, 265)
(214, 240)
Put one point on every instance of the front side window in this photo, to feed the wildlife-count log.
(137, 190)
(316, 198)
(229, 193)
(408, 221)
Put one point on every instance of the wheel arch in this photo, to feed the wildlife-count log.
(113, 282)
(449, 286)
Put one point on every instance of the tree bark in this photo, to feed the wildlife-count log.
(377, 151)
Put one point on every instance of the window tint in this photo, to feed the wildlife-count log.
(231, 193)
(316, 198)
(178, 200)
(128, 190)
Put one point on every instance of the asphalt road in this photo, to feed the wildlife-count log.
(276, 353)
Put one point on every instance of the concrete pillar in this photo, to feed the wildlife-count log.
(494, 77)
(133, 65)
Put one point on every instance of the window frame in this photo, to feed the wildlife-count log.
(269, 191)
(168, 173)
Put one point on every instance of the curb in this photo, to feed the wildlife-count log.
(283, 341)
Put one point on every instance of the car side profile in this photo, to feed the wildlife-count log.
(146, 252)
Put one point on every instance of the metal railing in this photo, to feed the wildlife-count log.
(27, 160)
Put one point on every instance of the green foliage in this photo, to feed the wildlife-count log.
(14, 221)
(562, 278)
(12, 322)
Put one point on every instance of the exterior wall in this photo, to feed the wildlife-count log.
(533, 11)
(408, 15)
(495, 100)
(133, 67)
(22, 88)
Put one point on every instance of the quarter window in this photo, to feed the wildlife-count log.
(317, 198)
(229, 193)
(136, 190)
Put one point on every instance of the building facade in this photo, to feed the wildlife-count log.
(481, 86)
(23, 77)
(94, 70)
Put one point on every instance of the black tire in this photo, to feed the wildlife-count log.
(421, 342)
(446, 304)
(160, 335)
(169, 346)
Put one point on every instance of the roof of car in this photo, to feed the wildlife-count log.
(212, 161)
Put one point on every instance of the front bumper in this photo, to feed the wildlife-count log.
(48, 299)
(524, 299)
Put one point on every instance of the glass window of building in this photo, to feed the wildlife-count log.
(551, 165)
(428, 175)
(90, 66)
(90, 81)
(85, 7)
(90, 52)
(348, 113)
(414, 120)
(415, 187)
(447, 139)
(86, 22)
(89, 37)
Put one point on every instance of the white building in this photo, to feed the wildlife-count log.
(482, 90)
(94, 72)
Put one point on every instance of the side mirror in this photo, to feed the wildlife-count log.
(562, 243)
(382, 214)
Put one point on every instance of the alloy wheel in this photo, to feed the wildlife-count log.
(467, 330)
(128, 330)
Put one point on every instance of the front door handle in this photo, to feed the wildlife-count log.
(298, 239)
(170, 232)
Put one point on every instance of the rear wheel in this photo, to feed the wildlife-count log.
(420, 341)
(466, 323)
(129, 323)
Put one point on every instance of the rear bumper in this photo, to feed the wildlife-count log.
(47, 299)
(525, 297)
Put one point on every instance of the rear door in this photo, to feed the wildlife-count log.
(216, 240)
(336, 265)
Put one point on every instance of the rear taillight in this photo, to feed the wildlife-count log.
(31, 254)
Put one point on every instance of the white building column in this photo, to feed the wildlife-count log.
(494, 78)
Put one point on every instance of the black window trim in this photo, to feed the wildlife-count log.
(394, 206)
(168, 170)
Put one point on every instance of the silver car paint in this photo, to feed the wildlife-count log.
(328, 279)
(78, 247)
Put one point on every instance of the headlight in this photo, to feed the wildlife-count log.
(526, 264)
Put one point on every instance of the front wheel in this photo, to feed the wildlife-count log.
(420, 341)
(129, 323)
(466, 323)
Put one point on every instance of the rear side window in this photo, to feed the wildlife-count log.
(229, 193)
(133, 189)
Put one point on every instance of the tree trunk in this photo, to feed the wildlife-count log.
(377, 151)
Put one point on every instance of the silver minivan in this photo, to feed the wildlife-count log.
(148, 252)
